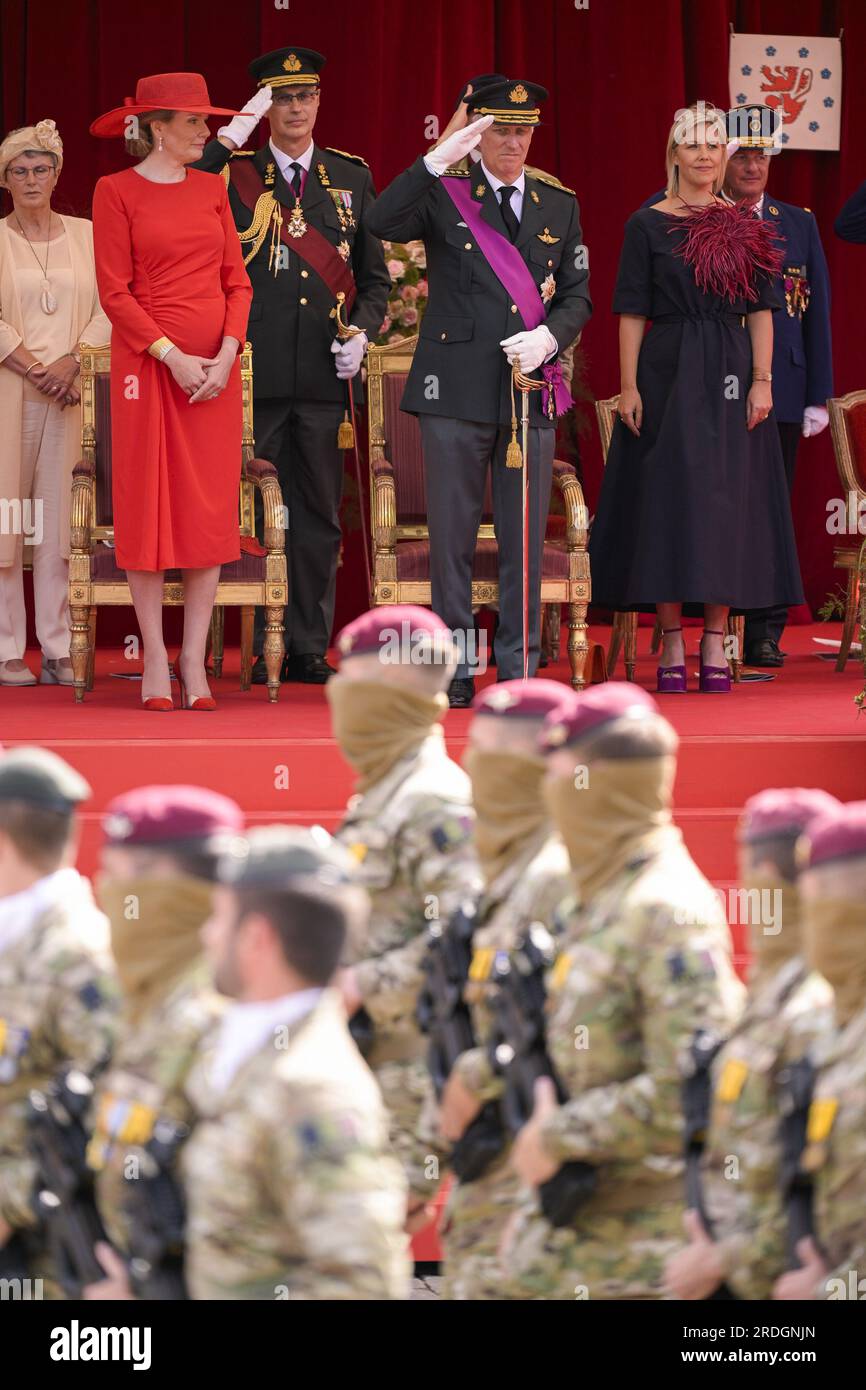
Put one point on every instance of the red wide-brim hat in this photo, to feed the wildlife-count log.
(164, 91)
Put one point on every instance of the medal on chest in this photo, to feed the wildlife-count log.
(297, 226)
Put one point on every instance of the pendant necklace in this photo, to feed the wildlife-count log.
(46, 299)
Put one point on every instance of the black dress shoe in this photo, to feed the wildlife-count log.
(307, 668)
(461, 692)
(764, 654)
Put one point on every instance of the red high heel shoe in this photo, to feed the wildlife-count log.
(714, 680)
(202, 703)
(160, 703)
(671, 680)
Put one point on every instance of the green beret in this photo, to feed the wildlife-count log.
(42, 780)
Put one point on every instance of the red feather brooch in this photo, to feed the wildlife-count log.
(728, 246)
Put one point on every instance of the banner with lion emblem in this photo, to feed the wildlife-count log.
(801, 78)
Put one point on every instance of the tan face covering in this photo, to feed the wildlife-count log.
(377, 724)
(622, 811)
(509, 809)
(155, 926)
(778, 907)
(834, 931)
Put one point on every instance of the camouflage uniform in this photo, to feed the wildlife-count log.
(146, 1083)
(291, 1189)
(57, 1008)
(411, 836)
(645, 963)
(528, 890)
(784, 1015)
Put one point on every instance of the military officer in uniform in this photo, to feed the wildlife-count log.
(738, 1238)
(57, 998)
(409, 827)
(155, 883)
(526, 878)
(833, 889)
(645, 960)
(302, 215)
(508, 286)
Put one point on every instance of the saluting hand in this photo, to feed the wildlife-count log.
(459, 120)
(457, 145)
(529, 1157)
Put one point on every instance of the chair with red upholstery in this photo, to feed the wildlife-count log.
(848, 428)
(259, 577)
(398, 519)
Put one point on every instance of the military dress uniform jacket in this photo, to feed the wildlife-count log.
(292, 1192)
(784, 1016)
(459, 369)
(57, 1009)
(802, 337)
(290, 327)
(644, 964)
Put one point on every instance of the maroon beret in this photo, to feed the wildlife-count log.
(167, 815)
(400, 625)
(840, 834)
(530, 699)
(782, 811)
(577, 714)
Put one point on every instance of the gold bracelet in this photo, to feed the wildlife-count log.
(161, 348)
(30, 368)
(762, 376)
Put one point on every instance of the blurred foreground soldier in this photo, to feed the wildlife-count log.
(646, 960)
(409, 829)
(292, 1189)
(526, 876)
(56, 1005)
(833, 891)
(737, 1236)
(155, 883)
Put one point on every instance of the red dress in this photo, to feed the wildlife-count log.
(169, 264)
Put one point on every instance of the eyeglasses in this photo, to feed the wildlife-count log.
(40, 171)
(285, 97)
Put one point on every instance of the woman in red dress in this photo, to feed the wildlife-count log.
(172, 281)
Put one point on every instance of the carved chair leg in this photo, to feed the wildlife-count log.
(851, 601)
(79, 647)
(578, 647)
(247, 618)
(274, 649)
(630, 644)
(91, 654)
(216, 639)
(737, 634)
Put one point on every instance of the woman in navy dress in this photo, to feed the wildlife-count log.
(694, 507)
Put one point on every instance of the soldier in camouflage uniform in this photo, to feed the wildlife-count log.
(409, 829)
(156, 885)
(56, 993)
(833, 891)
(646, 960)
(788, 1006)
(526, 876)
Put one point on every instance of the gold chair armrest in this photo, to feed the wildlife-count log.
(576, 514)
(81, 508)
(384, 510)
(263, 474)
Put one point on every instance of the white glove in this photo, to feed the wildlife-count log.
(530, 349)
(815, 419)
(349, 355)
(240, 128)
(456, 146)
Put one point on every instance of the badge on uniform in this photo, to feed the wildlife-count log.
(323, 175)
(731, 1081)
(342, 199)
(822, 1113)
(482, 963)
(547, 237)
(797, 290)
(547, 289)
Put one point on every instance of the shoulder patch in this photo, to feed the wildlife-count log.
(355, 158)
(549, 179)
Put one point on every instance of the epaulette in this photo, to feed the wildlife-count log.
(549, 179)
(456, 173)
(355, 158)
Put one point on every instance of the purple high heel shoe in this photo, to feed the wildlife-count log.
(671, 680)
(714, 680)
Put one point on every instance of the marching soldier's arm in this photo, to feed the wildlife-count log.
(817, 335)
(403, 211)
(571, 307)
(370, 271)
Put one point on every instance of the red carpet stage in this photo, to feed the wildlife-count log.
(280, 762)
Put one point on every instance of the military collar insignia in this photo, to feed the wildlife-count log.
(480, 190)
(323, 175)
(270, 174)
(534, 196)
(547, 238)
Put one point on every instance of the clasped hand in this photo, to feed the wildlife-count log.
(202, 378)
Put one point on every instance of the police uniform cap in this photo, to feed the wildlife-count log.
(511, 101)
(38, 778)
(277, 856)
(284, 67)
(780, 811)
(578, 714)
(171, 815)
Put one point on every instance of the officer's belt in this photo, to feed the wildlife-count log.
(311, 247)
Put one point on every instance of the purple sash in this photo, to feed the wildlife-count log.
(514, 275)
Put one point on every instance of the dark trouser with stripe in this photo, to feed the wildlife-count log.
(457, 454)
(768, 624)
(300, 440)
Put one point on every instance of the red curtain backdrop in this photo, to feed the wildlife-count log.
(617, 70)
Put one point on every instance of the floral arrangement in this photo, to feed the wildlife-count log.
(407, 266)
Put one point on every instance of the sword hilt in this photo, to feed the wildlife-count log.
(344, 330)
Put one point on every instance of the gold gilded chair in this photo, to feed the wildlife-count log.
(258, 578)
(623, 635)
(848, 429)
(398, 520)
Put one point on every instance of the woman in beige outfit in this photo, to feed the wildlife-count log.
(48, 305)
